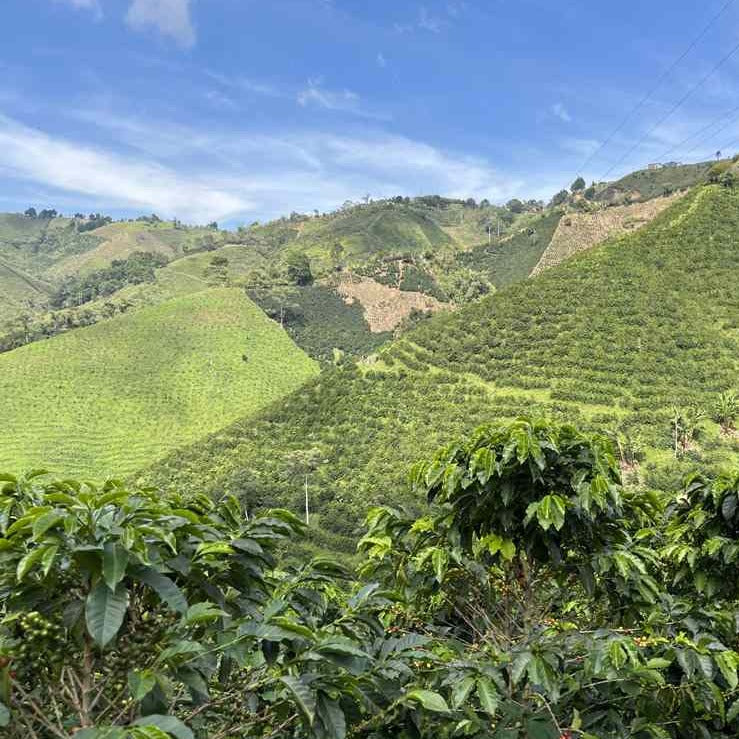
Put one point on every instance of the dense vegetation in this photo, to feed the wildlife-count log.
(513, 259)
(534, 598)
(319, 321)
(113, 396)
(612, 339)
(77, 290)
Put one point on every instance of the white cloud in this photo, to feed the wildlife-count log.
(381, 61)
(428, 22)
(345, 101)
(314, 94)
(230, 175)
(33, 156)
(92, 5)
(559, 110)
(170, 17)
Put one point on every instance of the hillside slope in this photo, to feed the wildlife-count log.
(36, 253)
(581, 231)
(610, 339)
(110, 398)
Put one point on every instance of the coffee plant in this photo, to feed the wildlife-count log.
(535, 598)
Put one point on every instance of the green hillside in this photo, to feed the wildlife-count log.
(37, 254)
(514, 258)
(610, 339)
(645, 184)
(110, 398)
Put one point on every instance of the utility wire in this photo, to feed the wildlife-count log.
(672, 110)
(657, 85)
(714, 134)
(679, 146)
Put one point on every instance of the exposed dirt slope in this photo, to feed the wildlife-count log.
(385, 308)
(580, 231)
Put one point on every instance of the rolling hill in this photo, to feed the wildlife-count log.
(611, 338)
(109, 398)
(37, 253)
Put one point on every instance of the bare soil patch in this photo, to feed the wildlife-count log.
(385, 308)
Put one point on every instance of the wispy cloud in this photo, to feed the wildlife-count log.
(231, 175)
(429, 22)
(93, 5)
(170, 17)
(345, 101)
(381, 60)
(559, 110)
(30, 155)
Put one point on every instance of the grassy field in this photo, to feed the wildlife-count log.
(112, 397)
(610, 339)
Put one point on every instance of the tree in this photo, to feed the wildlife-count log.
(728, 179)
(298, 268)
(726, 411)
(337, 252)
(578, 185)
(515, 206)
(464, 285)
(560, 198)
(686, 425)
(30, 213)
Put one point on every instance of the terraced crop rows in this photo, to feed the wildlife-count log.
(112, 397)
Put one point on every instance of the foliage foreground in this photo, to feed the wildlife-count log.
(535, 598)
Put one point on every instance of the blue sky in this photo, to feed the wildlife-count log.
(237, 110)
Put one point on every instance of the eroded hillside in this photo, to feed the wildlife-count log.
(578, 232)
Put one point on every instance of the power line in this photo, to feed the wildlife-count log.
(654, 89)
(672, 110)
(715, 133)
(705, 128)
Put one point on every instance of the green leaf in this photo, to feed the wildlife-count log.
(45, 522)
(47, 560)
(343, 646)
(461, 691)
(105, 611)
(487, 695)
(213, 547)
(171, 724)
(147, 732)
(428, 699)
(733, 712)
(115, 561)
(727, 663)
(508, 550)
(551, 512)
(27, 563)
(302, 695)
(519, 666)
(141, 683)
(332, 717)
(203, 612)
(4, 715)
(163, 587)
(658, 663)
(440, 560)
